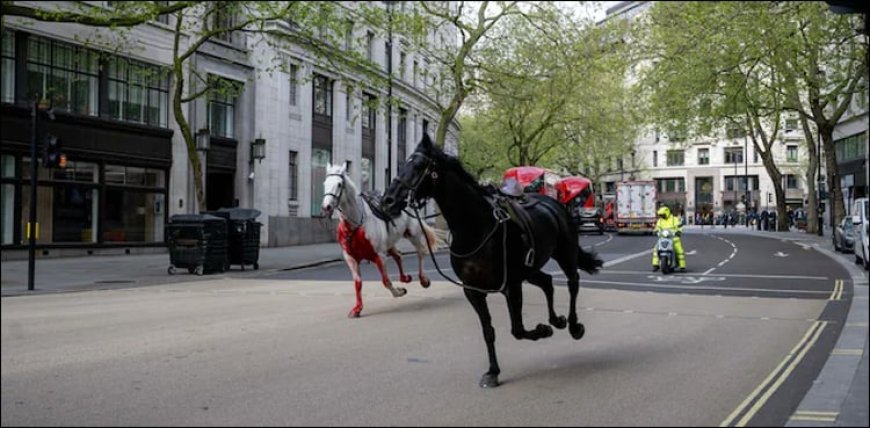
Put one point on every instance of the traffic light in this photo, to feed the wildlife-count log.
(52, 156)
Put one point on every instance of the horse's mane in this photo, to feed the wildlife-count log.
(455, 165)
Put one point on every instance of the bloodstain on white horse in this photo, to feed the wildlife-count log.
(363, 236)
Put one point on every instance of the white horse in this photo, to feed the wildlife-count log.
(363, 236)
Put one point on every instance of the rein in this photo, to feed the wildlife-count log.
(500, 217)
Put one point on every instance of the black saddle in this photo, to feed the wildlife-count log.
(373, 199)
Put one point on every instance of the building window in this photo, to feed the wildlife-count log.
(620, 166)
(675, 158)
(425, 126)
(322, 96)
(676, 136)
(403, 58)
(163, 19)
(348, 35)
(223, 18)
(755, 155)
(7, 91)
(655, 157)
(348, 105)
(138, 92)
(791, 124)
(402, 133)
(851, 147)
(7, 196)
(734, 155)
(703, 156)
(66, 75)
(739, 182)
(416, 72)
(134, 204)
(370, 112)
(222, 107)
(293, 177)
(791, 153)
(791, 181)
(367, 170)
(370, 46)
(671, 185)
(294, 84)
(320, 158)
(734, 132)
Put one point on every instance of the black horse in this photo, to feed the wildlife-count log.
(495, 244)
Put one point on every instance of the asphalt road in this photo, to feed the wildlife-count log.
(736, 340)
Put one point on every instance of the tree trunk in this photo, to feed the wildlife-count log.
(835, 196)
(812, 178)
(776, 178)
(189, 139)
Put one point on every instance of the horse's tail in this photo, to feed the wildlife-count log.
(588, 261)
(431, 239)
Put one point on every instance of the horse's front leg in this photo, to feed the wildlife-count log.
(397, 291)
(398, 258)
(478, 301)
(353, 264)
(545, 283)
(424, 281)
(514, 296)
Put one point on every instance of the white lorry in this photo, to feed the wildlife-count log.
(635, 207)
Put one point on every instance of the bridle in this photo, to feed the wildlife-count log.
(414, 187)
(340, 194)
(500, 216)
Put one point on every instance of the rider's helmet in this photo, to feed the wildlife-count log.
(664, 212)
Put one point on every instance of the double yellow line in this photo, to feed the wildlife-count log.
(776, 377)
(837, 294)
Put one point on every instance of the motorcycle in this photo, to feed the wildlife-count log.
(665, 250)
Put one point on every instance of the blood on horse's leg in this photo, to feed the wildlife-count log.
(398, 258)
(357, 284)
(397, 291)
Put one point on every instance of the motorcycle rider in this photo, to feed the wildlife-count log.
(670, 222)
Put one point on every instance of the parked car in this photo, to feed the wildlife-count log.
(844, 236)
(860, 210)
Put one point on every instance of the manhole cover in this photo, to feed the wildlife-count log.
(118, 281)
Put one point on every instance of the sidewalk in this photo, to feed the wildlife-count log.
(62, 274)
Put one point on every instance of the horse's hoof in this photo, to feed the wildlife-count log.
(543, 331)
(559, 322)
(489, 381)
(399, 292)
(406, 278)
(425, 282)
(353, 313)
(577, 331)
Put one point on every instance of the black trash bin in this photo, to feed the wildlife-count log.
(197, 242)
(243, 235)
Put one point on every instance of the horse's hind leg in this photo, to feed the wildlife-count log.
(514, 295)
(545, 283)
(397, 291)
(357, 284)
(478, 301)
(398, 258)
(568, 261)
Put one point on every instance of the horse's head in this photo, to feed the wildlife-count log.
(415, 181)
(334, 187)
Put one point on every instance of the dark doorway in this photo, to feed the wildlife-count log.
(219, 190)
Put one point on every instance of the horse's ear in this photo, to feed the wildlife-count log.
(426, 142)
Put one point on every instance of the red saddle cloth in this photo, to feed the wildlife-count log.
(354, 242)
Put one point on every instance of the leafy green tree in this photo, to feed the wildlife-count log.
(744, 64)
